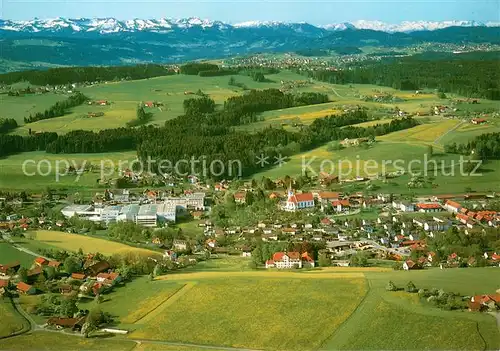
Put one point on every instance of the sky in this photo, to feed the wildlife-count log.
(234, 11)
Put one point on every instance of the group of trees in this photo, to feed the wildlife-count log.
(67, 75)
(7, 124)
(455, 241)
(471, 78)
(59, 109)
(485, 146)
(142, 117)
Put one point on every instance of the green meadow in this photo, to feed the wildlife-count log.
(38, 170)
(9, 254)
(18, 107)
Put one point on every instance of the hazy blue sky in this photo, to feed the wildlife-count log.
(316, 12)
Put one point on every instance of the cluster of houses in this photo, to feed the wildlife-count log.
(485, 303)
(96, 277)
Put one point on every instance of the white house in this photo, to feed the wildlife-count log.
(299, 201)
(429, 207)
(452, 206)
(282, 260)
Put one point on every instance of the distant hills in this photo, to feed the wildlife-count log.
(108, 41)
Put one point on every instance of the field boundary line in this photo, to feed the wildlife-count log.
(167, 302)
(208, 347)
(332, 335)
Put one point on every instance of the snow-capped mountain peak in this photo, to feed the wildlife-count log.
(112, 25)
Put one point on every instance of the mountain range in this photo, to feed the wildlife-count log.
(113, 25)
(107, 41)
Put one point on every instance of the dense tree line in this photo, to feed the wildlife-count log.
(11, 144)
(331, 128)
(82, 141)
(470, 78)
(65, 75)
(59, 109)
(485, 146)
(257, 101)
(194, 68)
(199, 105)
(7, 124)
(218, 72)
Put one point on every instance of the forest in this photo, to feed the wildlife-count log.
(485, 146)
(67, 75)
(470, 78)
(7, 124)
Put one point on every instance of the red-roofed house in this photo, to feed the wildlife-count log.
(108, 278)
(4, 285)
(452, 206)
(287, 260)
(307, 260)
(410, 265)
(78, 276)
(462, 218)
(341, 205)
(40, 261)
(55, 264)
(326, 222)
(428, 207)
(299, 201)
(25, 289)
(478, 121)
(11, 267)
(240, 197)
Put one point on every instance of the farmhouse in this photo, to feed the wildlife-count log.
(410, 265)
(25, 289)
(299, 201)
(452, 206)
(78, 276)
(341, 205)
(404, 206)
(108, 278)
(75, 324)
(40, 261)
(8, 268)
(478, 121)
(428, 207)
(282, 260)
(240, 197)
(97, 268)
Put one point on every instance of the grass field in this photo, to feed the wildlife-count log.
(74, 242)
(419, 326)
(135, 300)
(18, 107)
(346, 309)
(9, 254)
(40, 169)
(44, 341)
(216, 312)
(125, 96)
(11, 321)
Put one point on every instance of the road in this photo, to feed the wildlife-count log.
(449, 131)
(159, 342)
